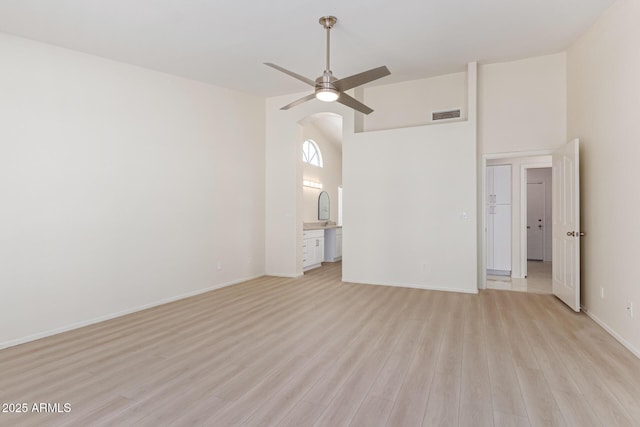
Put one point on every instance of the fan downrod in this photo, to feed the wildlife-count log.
(328, 22)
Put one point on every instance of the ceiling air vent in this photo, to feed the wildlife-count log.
(444, 115)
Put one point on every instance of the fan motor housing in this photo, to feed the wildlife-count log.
(324, 85)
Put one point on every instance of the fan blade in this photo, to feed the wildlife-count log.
(292, 74)
(361, 78)
(354, 103)
(299, 101)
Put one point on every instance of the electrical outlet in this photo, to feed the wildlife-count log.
(601, 292)
(630, 308)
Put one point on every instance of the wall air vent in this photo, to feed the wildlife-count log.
(444, 115)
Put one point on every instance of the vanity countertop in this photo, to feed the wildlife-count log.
(323, 225)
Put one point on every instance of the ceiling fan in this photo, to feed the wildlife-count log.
(327, 87)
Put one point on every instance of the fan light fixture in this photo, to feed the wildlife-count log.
(327, 95)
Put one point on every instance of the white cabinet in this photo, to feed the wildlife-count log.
(499, 239)
(333, 244)
(312, 249)
(499, 219)
(499, 185)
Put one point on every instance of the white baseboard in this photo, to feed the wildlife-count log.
(612, 332)
(286, 275)
(311, 267)
(99, 319)
(412, 286)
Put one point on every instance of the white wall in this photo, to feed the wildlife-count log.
(604, 100)
(404, 193)
(410, 205)
(330, 174)
(120, 187)
(522, 105)
(411, 103)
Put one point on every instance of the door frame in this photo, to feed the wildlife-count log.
(482, 205)
(523, 211)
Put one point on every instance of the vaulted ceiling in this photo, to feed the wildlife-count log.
(225, 42)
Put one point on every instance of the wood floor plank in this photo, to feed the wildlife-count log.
(444, 395)
(411, 402)
(507, 420)
(521, 350)
(303, 414)
(373, 412)
(505, 388)
(349, 397)
(542, 407)
(574, 409)
(538, 336)
(476, 403)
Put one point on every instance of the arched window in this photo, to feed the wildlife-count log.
(311, 153)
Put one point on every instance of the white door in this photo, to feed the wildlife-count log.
(566, 224)
(535, 221)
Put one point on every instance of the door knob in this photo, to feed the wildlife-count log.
(570, 233)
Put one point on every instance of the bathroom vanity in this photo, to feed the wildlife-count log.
(321, 242)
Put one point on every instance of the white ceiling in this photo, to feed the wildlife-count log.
(225, 42)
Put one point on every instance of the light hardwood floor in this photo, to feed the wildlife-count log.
(315, 351)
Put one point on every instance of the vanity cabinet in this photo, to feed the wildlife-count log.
(333, 244)
(312, 249)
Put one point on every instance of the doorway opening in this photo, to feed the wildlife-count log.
(539, 226)
(537, 208)
(507, 261)
(320, 187)
(565, 241)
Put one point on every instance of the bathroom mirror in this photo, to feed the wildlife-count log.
(323, 206)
